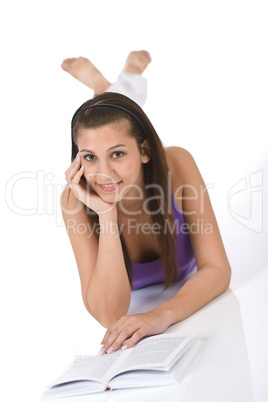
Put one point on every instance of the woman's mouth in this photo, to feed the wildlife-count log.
(109, 186)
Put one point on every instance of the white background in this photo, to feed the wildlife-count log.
(208, 91)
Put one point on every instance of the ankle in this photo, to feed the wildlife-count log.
(100, 85)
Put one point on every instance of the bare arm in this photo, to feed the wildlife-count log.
(104, 281)
(108, 291)
(213, 268)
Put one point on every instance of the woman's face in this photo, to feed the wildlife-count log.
(112, 160)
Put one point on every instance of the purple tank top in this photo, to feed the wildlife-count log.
(153, 272)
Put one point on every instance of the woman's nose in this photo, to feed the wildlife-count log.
(105, 170)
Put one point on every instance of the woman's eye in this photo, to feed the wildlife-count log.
(115, 155)
(89, 157)
(118, 154)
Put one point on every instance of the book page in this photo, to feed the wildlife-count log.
(155, 352)
(91, 368)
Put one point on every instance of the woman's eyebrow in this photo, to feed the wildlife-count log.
(109, 149)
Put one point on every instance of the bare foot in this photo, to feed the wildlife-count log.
(84, 71)
(137, 62)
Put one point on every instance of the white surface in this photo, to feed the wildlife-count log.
(208, 88)
(231, 359)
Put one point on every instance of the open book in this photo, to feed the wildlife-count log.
(158, 360)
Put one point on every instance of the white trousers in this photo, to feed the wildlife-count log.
(132, 85)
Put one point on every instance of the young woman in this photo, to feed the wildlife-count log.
(136, 214)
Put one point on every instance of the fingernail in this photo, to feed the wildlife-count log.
(124, 347)
(82, 167)
(77, 157)
(110, 350)
(102, 351)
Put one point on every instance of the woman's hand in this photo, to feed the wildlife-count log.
(81, 188)
(133, 327)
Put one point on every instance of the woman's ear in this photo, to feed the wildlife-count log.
(145, 152)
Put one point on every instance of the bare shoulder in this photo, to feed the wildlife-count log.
(178, 156)
(180, 162)
(175, 151)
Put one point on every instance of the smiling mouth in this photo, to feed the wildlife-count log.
(109, 187)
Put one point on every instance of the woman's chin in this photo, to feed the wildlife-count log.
(110, 198)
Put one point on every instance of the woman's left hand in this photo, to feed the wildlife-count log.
(133, 327)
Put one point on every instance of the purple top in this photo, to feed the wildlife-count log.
(153, 272)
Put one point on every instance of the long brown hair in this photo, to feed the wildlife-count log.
(155, 171)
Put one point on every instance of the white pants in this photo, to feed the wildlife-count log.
(132, 85)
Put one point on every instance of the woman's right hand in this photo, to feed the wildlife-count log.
(81, 189)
